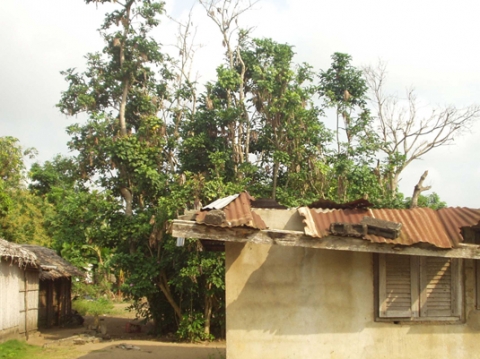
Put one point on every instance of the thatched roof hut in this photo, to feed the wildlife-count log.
(53, 266)
(43, 280)
(17, 254)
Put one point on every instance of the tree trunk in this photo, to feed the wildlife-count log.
(207, 315)
(123, 105)
(276, 167)
(163, 285)
(418, 190)
(338, 131)
(126, 84)
(394, 184)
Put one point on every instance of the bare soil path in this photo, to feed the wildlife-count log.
(79, 342)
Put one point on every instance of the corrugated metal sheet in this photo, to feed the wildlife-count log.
(420, 225)
(221, 202)
(455, 218)
(238, 212)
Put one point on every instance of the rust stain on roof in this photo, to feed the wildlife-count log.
(455, 218)
(420, 225)
(238, 212)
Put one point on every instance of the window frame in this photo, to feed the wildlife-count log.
(418, 312)
(476, 266)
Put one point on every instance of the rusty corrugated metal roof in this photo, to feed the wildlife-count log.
(454, 218)
(420, 225)
(238, 212)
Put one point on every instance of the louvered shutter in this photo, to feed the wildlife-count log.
(398, 286)
(440, 287)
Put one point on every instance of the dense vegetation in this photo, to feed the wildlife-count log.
(155, 143)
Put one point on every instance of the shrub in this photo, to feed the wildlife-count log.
(191, 328)
(92, 307)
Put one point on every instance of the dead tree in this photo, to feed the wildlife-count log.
(419, 188)
(408, 134)
(181, 106)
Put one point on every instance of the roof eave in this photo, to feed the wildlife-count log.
(190, 229)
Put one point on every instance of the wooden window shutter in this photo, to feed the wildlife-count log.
(440, 287)
(398, 286)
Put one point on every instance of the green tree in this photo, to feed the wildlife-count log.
(123, 143)
(136, 99)
(432, 201)
(343, 88)
(21, 213)
(52, 179)
(289, 137)
(12, 166)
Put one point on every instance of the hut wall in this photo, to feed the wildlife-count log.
(18, 300)
(54, 301)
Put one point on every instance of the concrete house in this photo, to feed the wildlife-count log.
(333, 281)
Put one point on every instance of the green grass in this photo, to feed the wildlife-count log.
(92, 307)
(15, 349)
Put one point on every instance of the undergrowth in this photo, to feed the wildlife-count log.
(93, 307)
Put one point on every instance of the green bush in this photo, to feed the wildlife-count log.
(80, 289)
(92, 307)
(191, 328)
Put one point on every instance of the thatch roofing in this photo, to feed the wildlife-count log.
(53, 266)
(17, 254)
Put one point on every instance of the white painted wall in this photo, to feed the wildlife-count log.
(289, 302)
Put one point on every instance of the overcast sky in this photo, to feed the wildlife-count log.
(431, 45)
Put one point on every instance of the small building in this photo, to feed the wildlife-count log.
(19, 284)
(55, 286)
(349, 281)
(35, 289)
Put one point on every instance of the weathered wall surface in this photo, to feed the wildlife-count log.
(285, 302)
(18, 291)
(10, 279)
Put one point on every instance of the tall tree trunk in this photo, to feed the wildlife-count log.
(207, 313)
(128, 198)
(126, 84)
(123, 105)
(276, 166)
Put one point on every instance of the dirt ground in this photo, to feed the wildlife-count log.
(80, 342)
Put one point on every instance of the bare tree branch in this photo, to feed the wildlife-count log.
(408, 133)
(225, 14)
